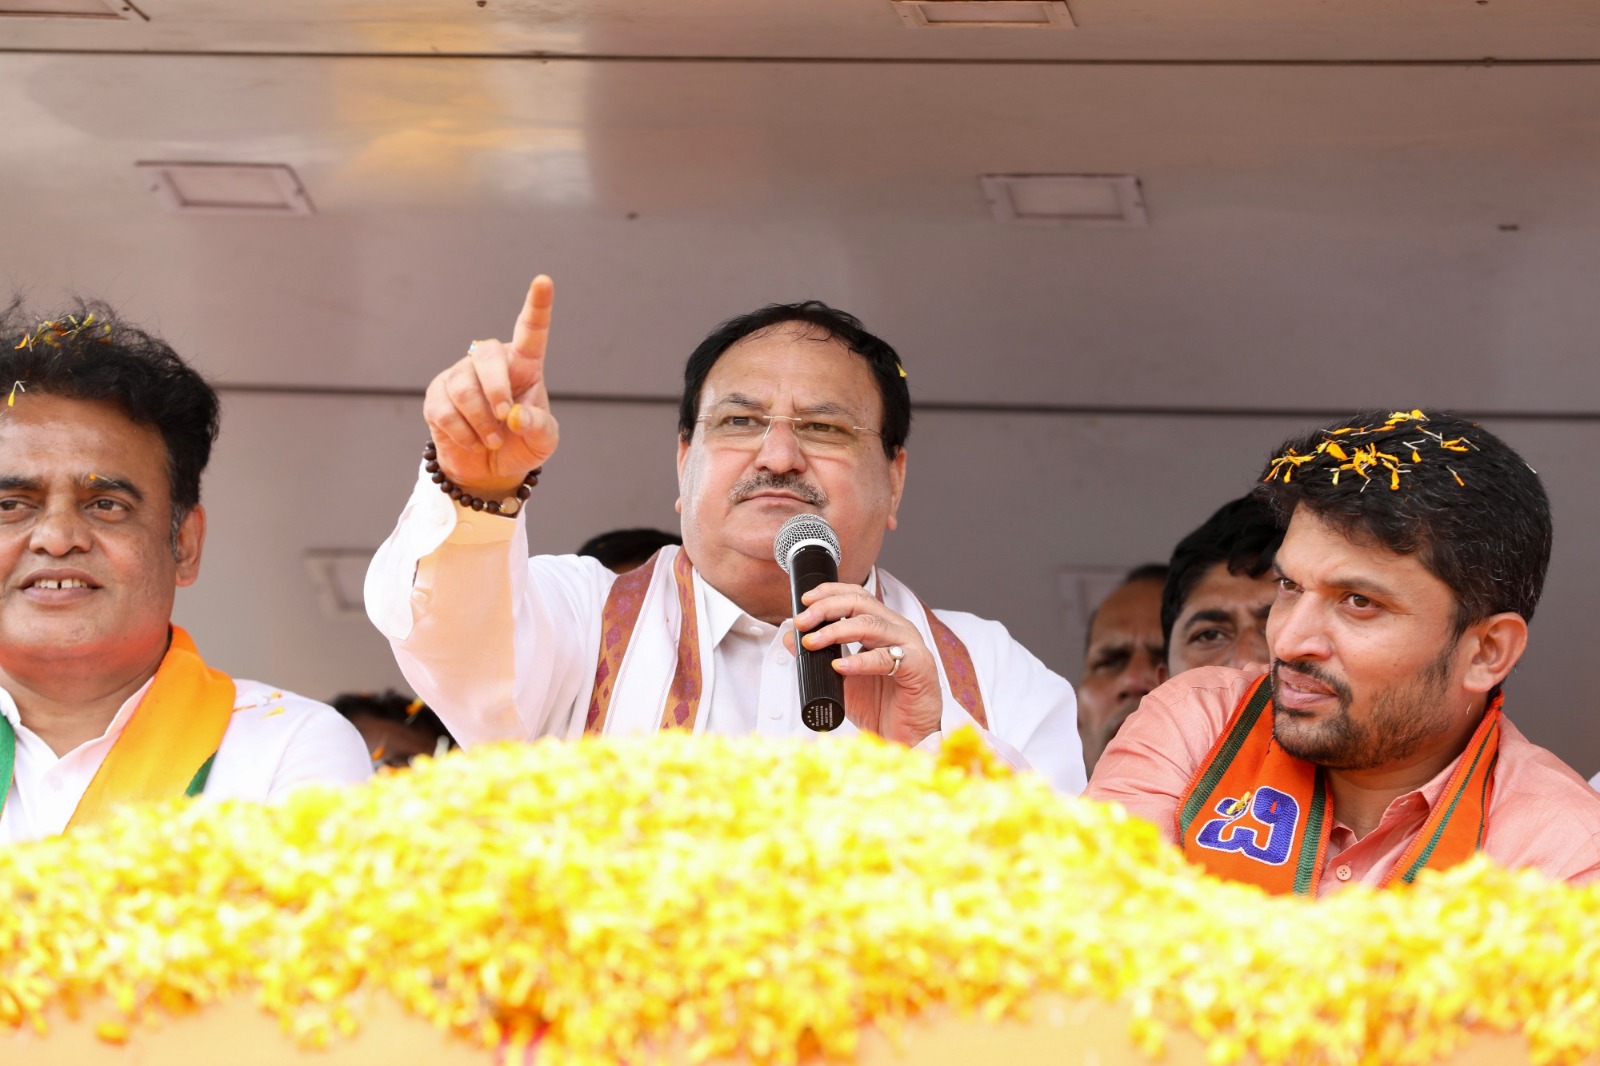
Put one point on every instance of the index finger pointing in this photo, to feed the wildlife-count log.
(533, 324)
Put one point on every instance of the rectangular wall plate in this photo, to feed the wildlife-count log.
(992, 14)
(72, 9)
(1065, 199)
(228, 188)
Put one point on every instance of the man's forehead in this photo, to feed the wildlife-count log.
(776, 360)
(91, 418)
(80, 439)
(1131, 612)
(1316, 551)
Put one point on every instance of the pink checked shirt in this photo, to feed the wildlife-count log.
(1542, 814)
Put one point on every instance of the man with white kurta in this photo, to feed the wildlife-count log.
(103, 702)
(789, 410)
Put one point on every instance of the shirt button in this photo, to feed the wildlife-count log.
(55, 784)
(776, 712)
(1342, 872)
(781, 658)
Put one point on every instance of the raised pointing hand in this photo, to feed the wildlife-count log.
(489, 413)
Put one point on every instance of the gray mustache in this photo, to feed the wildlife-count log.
(808, 493)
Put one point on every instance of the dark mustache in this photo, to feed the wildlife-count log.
(1315, 673)
(807, 492)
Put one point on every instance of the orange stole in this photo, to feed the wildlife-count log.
(621, 614)
(1271, 818)
(176, 728)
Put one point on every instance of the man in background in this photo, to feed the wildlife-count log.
(396, 728)
(1123, 658)
(622, 550)
(1220, 588)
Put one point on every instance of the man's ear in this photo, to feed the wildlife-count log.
(1497, 643)
(897, 486)
(683, 454)
(191, 539)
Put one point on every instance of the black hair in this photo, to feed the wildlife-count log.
(828, 324)
(1243, 533)
(1438, 486)
(621, 546)
(390, 706)
(87, 353)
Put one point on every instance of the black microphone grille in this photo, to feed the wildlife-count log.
(800, 530)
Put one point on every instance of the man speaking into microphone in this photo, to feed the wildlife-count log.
(792, 409)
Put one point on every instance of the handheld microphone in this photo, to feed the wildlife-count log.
(808, 550)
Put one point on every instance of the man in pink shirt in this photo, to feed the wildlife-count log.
(1375, 747)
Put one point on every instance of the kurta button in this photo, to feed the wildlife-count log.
(1342, 872)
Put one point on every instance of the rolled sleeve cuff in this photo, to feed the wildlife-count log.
(399, 568)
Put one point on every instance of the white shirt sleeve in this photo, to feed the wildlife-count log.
(322, 748)
(1032, 711)
(500, 646)
(278, 741)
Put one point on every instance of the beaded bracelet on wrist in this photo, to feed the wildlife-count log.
(508, 506)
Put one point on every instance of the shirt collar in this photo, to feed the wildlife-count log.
(723, 615)
(1426, 795)
(1430, 792)
(119, 721)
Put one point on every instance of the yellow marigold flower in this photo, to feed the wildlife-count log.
(763, 900)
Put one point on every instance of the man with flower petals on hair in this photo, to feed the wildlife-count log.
(1375, 746)
(104, 702)
(788, 410)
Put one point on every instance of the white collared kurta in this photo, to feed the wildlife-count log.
(504, 646)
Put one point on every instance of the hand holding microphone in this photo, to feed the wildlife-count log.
(891, 686)
(808, 551)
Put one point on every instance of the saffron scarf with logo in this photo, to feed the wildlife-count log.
(625, 602)
(1255, 813)
(166, 748)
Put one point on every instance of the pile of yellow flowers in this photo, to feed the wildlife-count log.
(619, 898)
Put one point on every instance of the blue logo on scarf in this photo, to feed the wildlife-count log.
(1277, 814)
